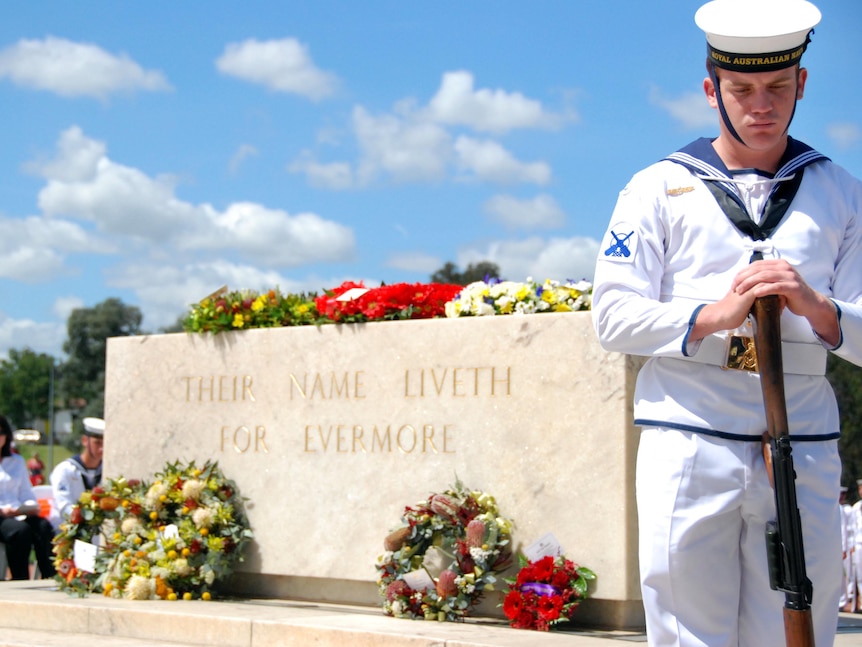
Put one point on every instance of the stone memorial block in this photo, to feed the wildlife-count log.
(330, 431)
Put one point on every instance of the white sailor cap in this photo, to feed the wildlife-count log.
(757, 35)
(94, 427)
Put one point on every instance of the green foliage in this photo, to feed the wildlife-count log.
(25, 379)
(846, 380)
(482, 271)
(88, 332)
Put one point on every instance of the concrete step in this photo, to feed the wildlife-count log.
(35, 638)
(35, 614)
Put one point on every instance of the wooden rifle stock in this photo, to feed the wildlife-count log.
(784, 537)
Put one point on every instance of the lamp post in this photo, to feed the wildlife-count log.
(51, 419)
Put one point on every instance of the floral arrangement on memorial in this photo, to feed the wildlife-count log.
(387, 302)
(483, 298)
(241, 309)
(545, 592)
(443, 556)
(352, 302)
(174, 538)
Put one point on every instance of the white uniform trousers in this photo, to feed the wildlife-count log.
(702, 507)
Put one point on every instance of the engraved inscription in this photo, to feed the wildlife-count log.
(458, 382)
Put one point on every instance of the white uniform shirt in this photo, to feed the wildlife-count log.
(670, 249)
(68, 485)
(15, 487)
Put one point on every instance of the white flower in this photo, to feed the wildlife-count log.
(131, 525)
(140, 588)
(203, 517)
(181, 567)
(192, 489)
(154, 495)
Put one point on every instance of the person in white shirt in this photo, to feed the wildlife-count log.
(22, 530)
(80, 473)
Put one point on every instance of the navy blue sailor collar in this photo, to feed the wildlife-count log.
(701, 159)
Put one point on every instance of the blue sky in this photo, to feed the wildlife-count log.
(156, 151)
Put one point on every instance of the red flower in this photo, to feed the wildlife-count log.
(543, 569)
(549, 607)
(560, 579)
(513, 604)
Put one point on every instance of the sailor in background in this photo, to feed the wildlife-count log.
(79, 473)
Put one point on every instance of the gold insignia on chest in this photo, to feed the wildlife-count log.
(680, 190)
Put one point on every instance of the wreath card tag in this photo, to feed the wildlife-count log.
(419, 580)
(85, 556)
(545, 546)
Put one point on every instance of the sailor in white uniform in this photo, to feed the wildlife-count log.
(81, 472)
(693, 240)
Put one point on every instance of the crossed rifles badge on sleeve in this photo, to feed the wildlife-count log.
(620, 243)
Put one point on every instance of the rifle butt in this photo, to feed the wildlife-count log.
(798, 628)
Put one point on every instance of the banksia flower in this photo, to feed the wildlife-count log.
(475, 533)
(444, 506)
(396, 539)
(446, 585)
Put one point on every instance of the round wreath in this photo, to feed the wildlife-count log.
(545, 592)
(174, 538)
(443, 557)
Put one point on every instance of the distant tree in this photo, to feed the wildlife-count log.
(475, 272)
(88, 332)
(177, 326)
(846, 380)
(25, 384)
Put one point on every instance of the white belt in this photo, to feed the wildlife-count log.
(798, 358)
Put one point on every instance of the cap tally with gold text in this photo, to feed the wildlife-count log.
(757, 35)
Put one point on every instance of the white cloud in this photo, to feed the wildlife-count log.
(63, 306)
(126, 203)
(334, 175)
(844, 135)
(540, 212)
(488, 161)
(689, 109)
(40, 337)
(33, 249)
(75, 69)
(406, 149)
(539, 258)
(281, 65)
(76, 160)
(276, 238)
(242, 153)
(457, 103)
(415, 262)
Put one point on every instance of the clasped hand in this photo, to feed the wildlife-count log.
(763, 278)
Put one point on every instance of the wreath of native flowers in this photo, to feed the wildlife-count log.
(483, 298)
(176, 537)
(456, 542)
(545, 592)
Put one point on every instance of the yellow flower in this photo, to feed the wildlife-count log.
(238, 321)
(187, 596)
(206, 596)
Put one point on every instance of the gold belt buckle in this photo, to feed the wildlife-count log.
(740, 354)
